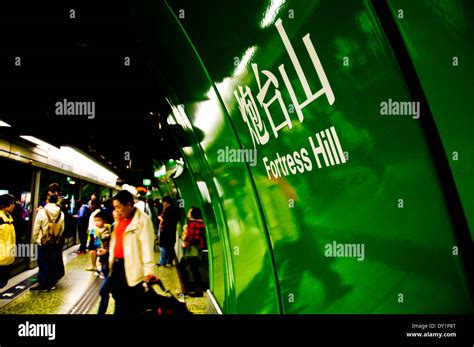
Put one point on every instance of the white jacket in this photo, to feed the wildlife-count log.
(92, 220)
(41, 221)
(138, 248)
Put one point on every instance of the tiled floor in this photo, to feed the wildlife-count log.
(75, 283)
(169, 277)
(59, 301)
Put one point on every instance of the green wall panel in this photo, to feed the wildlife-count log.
(438, 35)
(270, 236)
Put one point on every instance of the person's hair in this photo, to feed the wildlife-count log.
(167, 199)
(196, 213)
(94, 204)
(6, 200)
(54, 188)
(53, 199)
(108, 203)
(124, 197)
(100, 215)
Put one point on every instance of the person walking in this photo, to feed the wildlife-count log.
(131, 255)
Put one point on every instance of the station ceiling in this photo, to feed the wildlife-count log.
(84, 59)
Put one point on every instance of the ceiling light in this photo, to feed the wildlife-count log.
(40, 143)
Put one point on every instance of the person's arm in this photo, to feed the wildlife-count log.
(80, 213)
(165, 215)
(63, 222)
(185, 232)
(37, 225)
(147, 237)
(91, 219)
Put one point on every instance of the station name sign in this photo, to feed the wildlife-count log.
(324, 148)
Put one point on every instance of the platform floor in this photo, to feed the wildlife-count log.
(78, 291)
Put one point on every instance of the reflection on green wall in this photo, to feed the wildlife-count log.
(270, 237)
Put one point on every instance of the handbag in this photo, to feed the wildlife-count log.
(191, 251)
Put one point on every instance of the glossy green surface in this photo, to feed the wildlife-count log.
(443, 57)
(269, 236)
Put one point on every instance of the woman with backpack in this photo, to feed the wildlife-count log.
(47, 232)
(7, 237)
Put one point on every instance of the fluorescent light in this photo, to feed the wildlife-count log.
(3, 124)
(171, 120)
(40, 143)
(86, 166)
(271, 13)
(202, 186)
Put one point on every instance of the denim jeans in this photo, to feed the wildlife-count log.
(104, 296)
(128, 300)
(50, 265)
(166, 255)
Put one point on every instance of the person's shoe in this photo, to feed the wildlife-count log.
(198, 293)
(40, 288)
(169, 265)
(91, 269)
(158, 264)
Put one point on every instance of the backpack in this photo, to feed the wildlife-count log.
(52, 234)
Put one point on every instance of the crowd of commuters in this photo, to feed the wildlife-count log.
(118, 234)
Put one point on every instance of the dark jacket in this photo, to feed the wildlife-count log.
(167, 230)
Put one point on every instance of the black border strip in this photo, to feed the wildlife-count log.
(433, 138)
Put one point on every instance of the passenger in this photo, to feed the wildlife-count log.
(108, 211)
(105, 288)
(167, 231)
(131, 255)
(95, 198)
(47, 231)
(153, 214)
(159, 206)
(95, 208)
(98, 244)
(193, 243)
(69, 223)
(142, 205)
(83, 224)
(7, 237)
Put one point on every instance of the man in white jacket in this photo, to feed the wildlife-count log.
(131, 255)
(50, 263)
